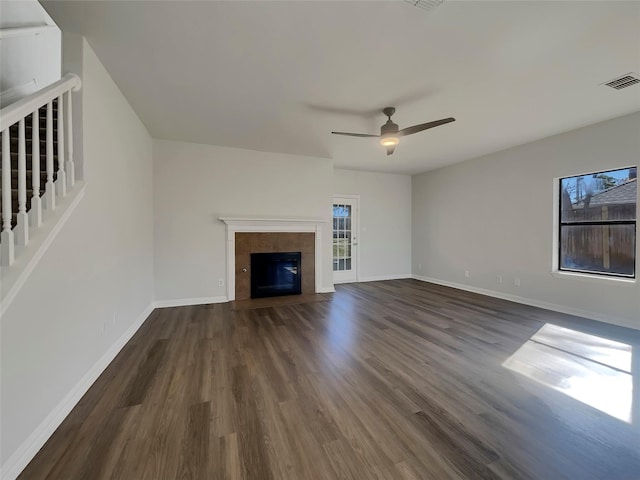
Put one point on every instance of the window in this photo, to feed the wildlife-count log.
(341, 237)
(598, 223)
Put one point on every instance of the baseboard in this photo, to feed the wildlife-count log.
(326, 290)
(531, 302)
(25, 453)
(15, 276)
(379, 278)
(184, 302)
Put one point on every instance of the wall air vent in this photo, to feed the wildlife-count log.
(623, 81)
(425, 4)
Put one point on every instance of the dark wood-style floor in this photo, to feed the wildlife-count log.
(385, 380)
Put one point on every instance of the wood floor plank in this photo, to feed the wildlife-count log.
(137, 388)
(194, 462)
(383, 380)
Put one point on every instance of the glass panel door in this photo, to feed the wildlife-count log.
(344, 239)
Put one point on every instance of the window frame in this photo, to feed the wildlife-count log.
(557, 267)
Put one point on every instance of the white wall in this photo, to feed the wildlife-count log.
(196, 184)
(385, 221)
(30, 62)
(99, 268)
(494, 216)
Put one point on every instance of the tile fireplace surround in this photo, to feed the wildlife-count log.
(274, 226)
(273, 242)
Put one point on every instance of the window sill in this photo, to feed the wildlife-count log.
(597, 279)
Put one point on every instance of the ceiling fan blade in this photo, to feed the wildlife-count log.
(390, 149)
(424, 126)
(355, 134)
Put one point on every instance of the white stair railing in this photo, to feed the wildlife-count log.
(35, 214)
(6, 237)
(49, 192)
(30, 216)
(22, 221)
(61, 181)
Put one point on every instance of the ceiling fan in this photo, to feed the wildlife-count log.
(390, 133)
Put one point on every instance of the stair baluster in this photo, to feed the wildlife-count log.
(70, 167)
(6, 237)
(49, 192)
(35, 213)
(22, 225)
(61, 181)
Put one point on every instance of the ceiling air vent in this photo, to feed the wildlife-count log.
(425, 4)
(623, 81)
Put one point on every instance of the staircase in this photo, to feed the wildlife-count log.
(13, 136)
(37, 162)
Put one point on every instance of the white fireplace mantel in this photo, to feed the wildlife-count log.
(260, 224)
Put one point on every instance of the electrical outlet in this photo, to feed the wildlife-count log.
(220, 282)
(516, 282)
(466, 273)
(499, 279)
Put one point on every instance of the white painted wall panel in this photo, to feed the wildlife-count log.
(493, 215)
(195, 184)
(29, 62)
(385, 221)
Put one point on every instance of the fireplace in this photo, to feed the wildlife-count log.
(248, 243)
(275, 274)
(247, 235)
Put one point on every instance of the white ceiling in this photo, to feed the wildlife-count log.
(280, 76)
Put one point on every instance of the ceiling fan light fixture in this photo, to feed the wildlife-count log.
(390, 133)
(389, 141)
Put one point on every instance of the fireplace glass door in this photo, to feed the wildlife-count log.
(275, 274)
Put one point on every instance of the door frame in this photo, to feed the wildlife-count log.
(355, 220)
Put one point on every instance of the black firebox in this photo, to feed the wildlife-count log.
(275, 274)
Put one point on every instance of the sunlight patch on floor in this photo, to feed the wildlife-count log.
(591, 369)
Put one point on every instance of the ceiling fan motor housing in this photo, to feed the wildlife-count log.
(389, 128)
